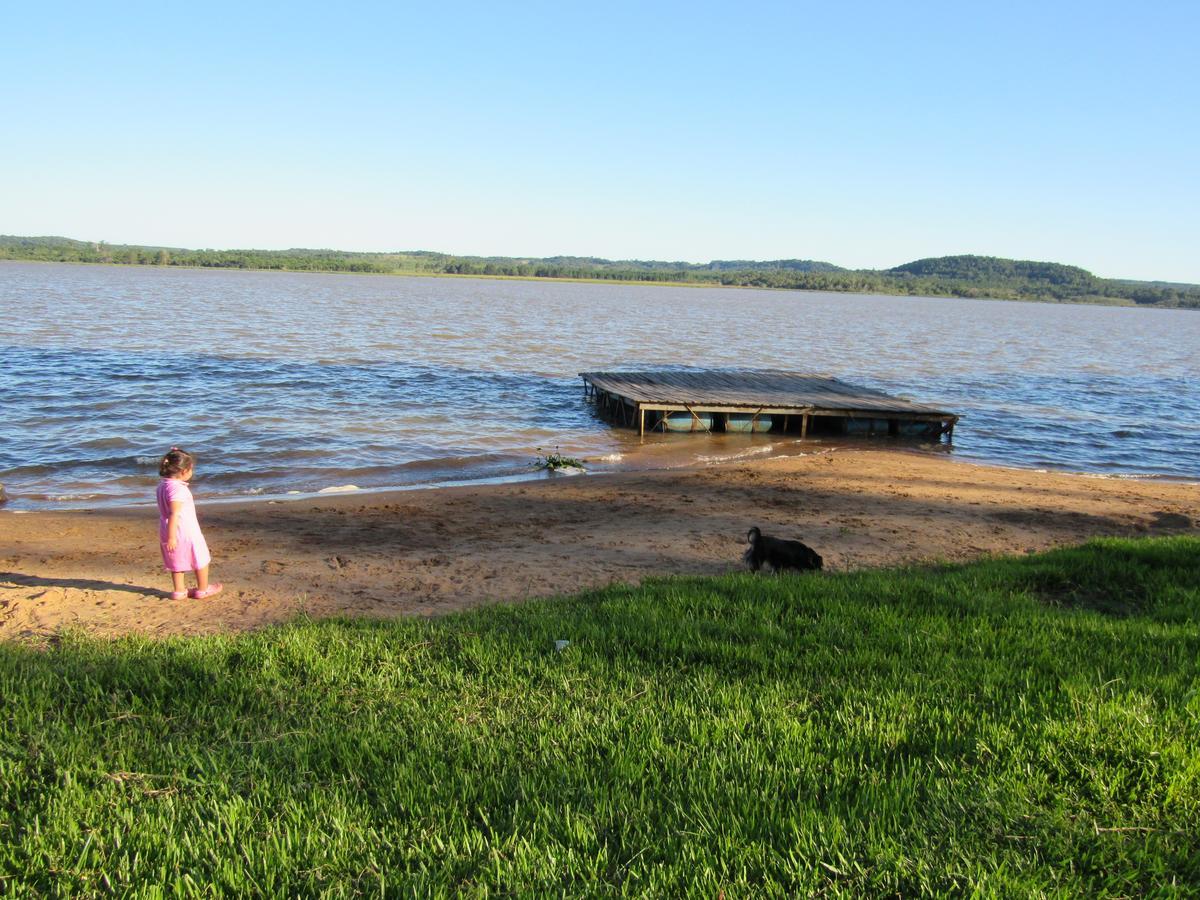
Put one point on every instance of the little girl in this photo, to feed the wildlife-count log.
(179, 537)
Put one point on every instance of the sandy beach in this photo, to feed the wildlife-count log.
(429, 552)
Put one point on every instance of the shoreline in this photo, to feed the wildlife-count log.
(815, 448)
(1116, 302)
(434, 551)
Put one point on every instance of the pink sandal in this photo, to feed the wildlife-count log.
(197, 594)
(179, 595)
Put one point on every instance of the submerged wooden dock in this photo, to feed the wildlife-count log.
(758, 400)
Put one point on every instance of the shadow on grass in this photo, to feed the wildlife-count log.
(1114, 577)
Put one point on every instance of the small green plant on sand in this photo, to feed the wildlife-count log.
(552, 462)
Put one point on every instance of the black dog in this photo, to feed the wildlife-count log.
(779, 554)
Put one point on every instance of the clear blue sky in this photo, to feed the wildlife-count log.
(863, 134)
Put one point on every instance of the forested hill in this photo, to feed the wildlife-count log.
(947, 276)
(994, 268)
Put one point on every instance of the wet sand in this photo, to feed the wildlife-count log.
(434, 551)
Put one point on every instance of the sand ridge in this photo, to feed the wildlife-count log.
(433, 551)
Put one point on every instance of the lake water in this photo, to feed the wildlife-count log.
(285, 382)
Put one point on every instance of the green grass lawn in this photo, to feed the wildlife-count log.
(1012, 727)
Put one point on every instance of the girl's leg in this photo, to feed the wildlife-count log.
(179, 580)
(202, 578)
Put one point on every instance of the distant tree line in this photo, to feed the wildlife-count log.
(946, 276)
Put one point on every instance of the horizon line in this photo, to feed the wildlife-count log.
(631, 259)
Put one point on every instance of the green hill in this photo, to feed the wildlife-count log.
(990, 268)
(946, 276)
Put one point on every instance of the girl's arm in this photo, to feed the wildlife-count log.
(173, 525)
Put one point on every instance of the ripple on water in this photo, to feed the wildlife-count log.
(313, 388)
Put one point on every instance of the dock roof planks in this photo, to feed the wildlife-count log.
(755, 391)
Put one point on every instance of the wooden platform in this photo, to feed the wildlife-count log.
(800, 399)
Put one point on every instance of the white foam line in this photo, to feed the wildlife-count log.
(756, 451)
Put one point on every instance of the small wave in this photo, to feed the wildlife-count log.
(108, 443)
(754, 451)
(138, 481)
(611, 457)
(338, 489)
(1131, 476)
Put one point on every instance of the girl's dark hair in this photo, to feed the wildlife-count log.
(175, 462)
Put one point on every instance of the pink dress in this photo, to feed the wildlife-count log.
(191, 552)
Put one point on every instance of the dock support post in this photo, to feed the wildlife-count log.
(804, 426)
(641, 421)
(696, 420)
